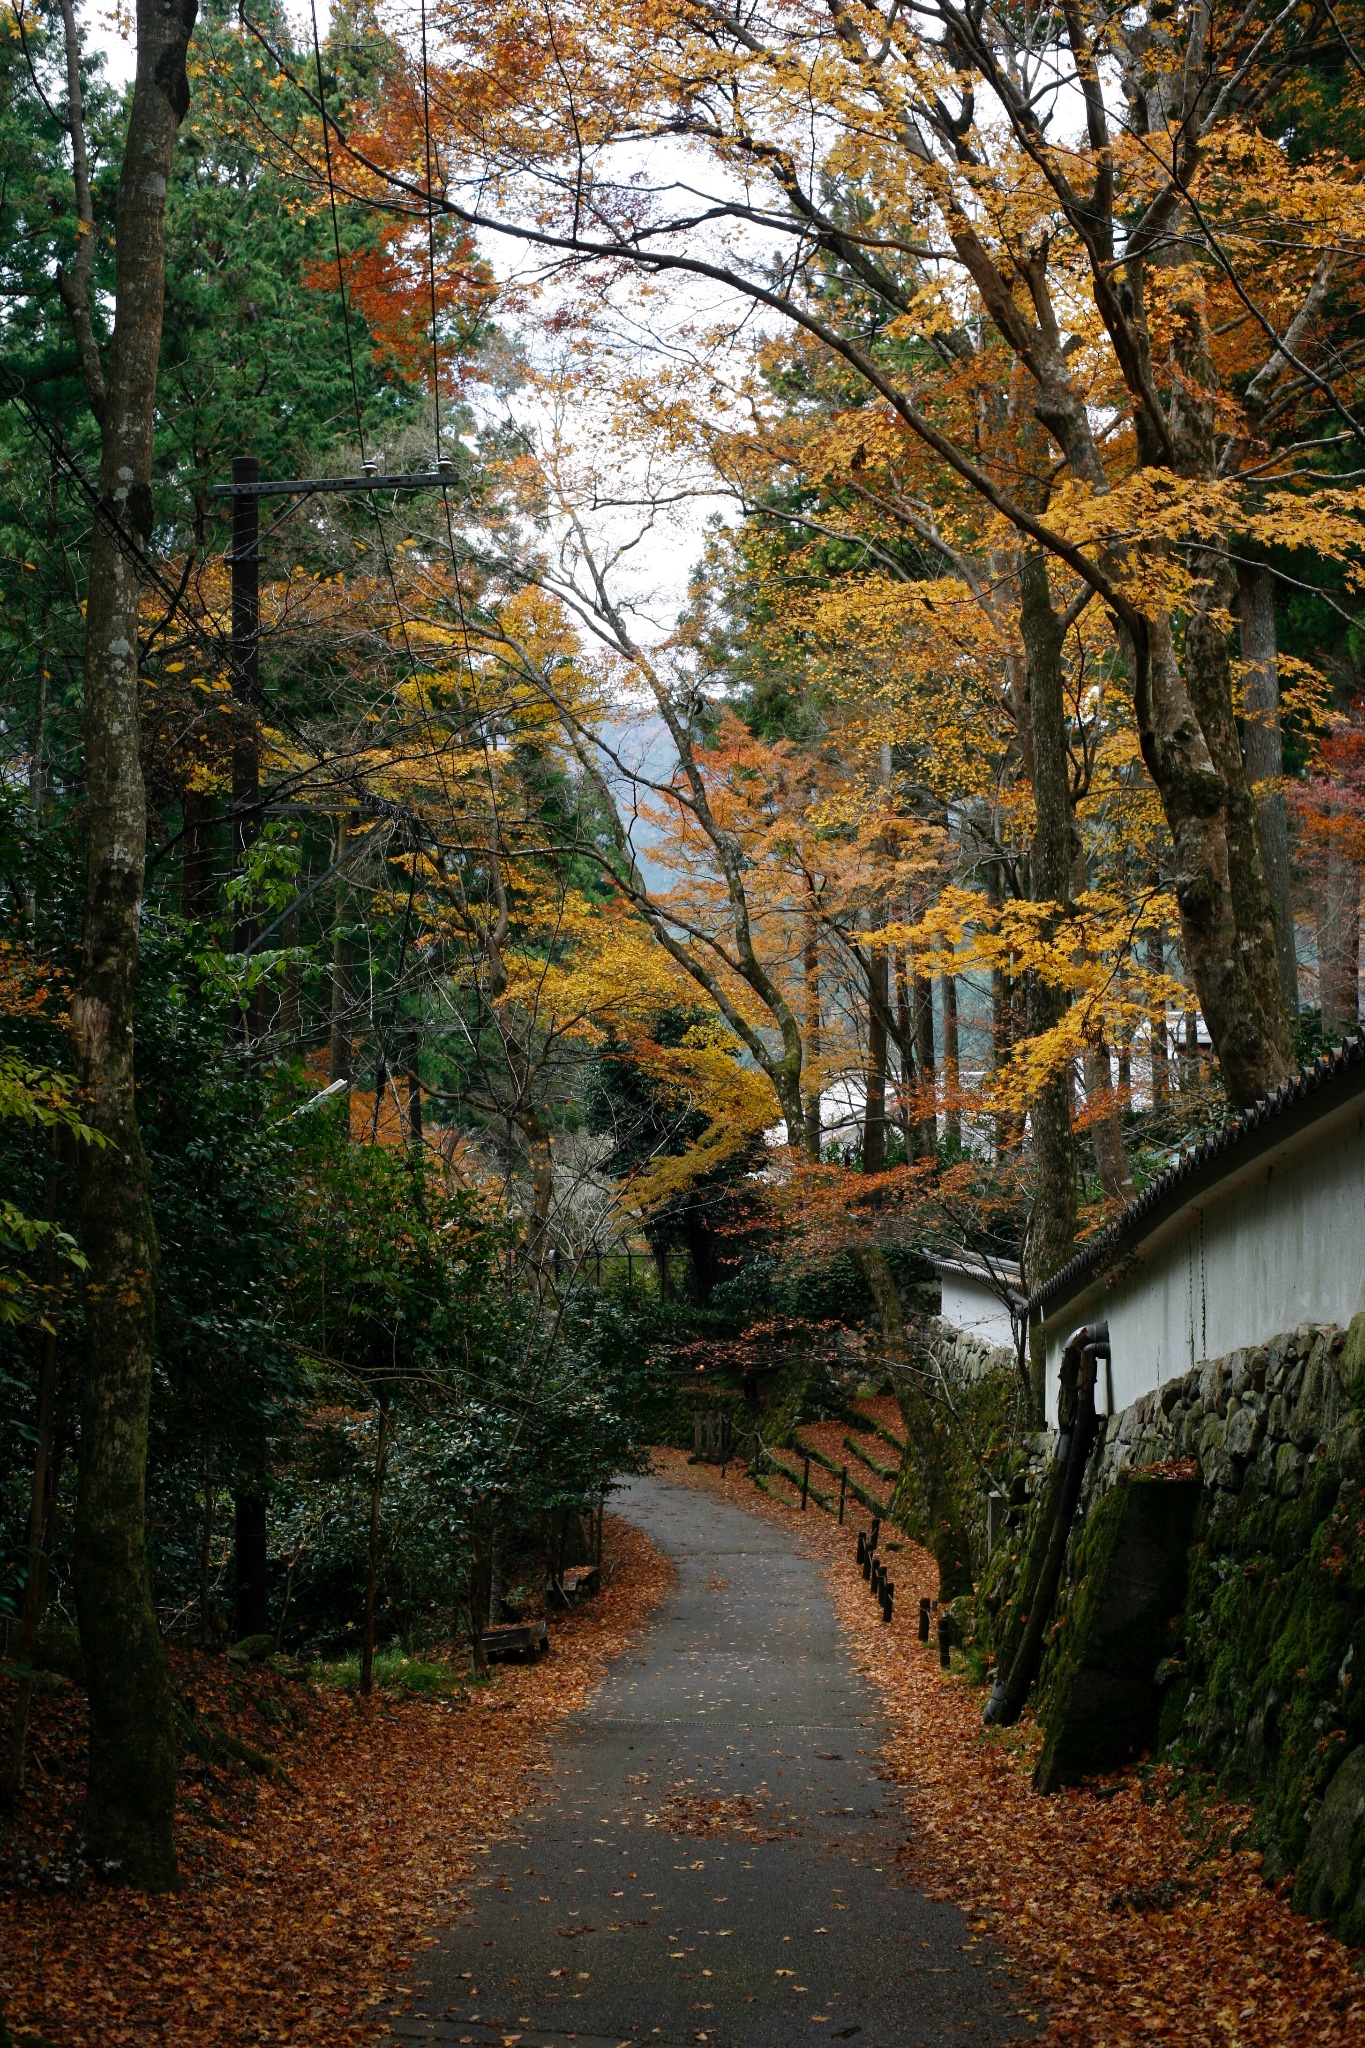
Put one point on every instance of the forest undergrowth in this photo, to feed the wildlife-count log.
(311, 1886)
(1130, 1911)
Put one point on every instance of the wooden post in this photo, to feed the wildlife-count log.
(805, 1484)
(945, 1639)
(924, 1619)
(843, 1489)
(888, 1598)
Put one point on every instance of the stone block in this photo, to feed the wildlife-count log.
(1289, 1464)
(1353, 1350)
(1243, 1434)
(1331, 1882)
(1239, 1379)
(1211, 1435)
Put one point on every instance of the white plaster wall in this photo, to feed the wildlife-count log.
(969, 1305)
(1286, 1246)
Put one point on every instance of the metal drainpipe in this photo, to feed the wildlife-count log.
(1011, 1689)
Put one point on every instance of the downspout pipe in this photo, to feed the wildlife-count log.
(1078, 1425)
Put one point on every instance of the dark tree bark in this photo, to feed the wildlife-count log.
(874, 1080)
(1156, 1024)
(1339, 941)
(1052, 1225)
(340, 1055)
(251, 1605)
(1264, 753)
(952, 1060)
(196, 872)
(130, 1794)
(381, 1456)
(38, 1555)
(810, 964)
(414, 1076)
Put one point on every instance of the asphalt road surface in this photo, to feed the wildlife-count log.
(718, 1864)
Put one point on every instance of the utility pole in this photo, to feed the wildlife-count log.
(244, 560)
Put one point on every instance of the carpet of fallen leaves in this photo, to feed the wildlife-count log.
(304, 1895)
(1131, 1912)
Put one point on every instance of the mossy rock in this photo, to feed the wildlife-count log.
(58, 1649)
(1272, 1704)
(252, 1649)
(1331, 1882)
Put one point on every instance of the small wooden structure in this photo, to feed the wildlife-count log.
(711, 1436)
(523, 1639)
(577, 1582)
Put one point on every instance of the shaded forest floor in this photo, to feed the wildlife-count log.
(306, 1888)
(1134, 1911)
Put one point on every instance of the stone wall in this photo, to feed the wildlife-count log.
(1263, 1684)
(961, 1400)
(963, 1357)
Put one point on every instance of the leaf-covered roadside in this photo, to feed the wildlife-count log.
(1134, 1915)
(307, 1895)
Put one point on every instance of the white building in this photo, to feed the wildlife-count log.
(976, 1296)
(1256, 1231)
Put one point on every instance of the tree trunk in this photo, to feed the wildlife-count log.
(810, 962)
(1156, 1024)
(38, 1553)
(414, 1067)
(1102, 1108)
(1008, 1127)
(923, 1005)
(1264, 754)
(1339, 941)
(251, 1602)
(495, 1574)
(1106, 1132)
(196, 876)
(340, 1066)
(206, 1555)
(1052, 1225)
(952, 1063)
(874, 1107)
(130, 1798)
(1189, 1051)
(372, 1549)
(1189, 743)
(290, 1014)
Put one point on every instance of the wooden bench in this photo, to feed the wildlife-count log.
(579, 1582)
(526, 1639)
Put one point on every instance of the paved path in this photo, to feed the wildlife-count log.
(785, 1924)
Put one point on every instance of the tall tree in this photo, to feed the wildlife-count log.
(131, 1788)
(1112, 261)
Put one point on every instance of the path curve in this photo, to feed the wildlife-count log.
(736, 1711)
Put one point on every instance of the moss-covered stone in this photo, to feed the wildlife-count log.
(1331, 1882)
(1099, 1697)
(1274, 1643)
